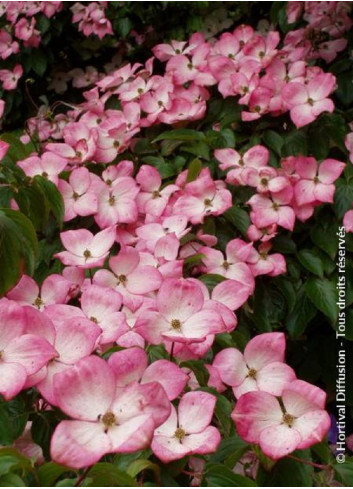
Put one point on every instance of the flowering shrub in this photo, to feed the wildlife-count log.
(170, 240)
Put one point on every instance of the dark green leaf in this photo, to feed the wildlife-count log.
(181, 135)
(302, 313)
(323, 295)
(239, 218)
(311, 261)
(48, 473)
(107, 475)
(194, 170)
(218, 475)
(274, 141)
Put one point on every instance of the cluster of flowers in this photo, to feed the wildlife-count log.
(323, 36)
(122, 404)
(20, 31)
(91, 19)
(282, 194)
(243, 63)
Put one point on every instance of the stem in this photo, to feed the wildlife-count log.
(82, 476)
(171, 352)
(90, 274)
(307, 462)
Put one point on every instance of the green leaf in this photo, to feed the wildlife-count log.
(13, 419)
(218, 475)
(194, 170)
(323, 295)
(181, 135)
(229, 451)
(18, 247)
(211, 280)
(239, 218)
(324, 236)
(107, 475)
(11, 460)
(43, 425)
(286, 473)
(52, 196)
(198, 367)
(343, 197)
(11, 480)
(274, 141)
(302, 313)
(295, 144)
(345, 472)
(138, 466)
(48, 473)
(311, 261)
(39, 62)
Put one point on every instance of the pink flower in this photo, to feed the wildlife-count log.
(131, 365)
(21, 354)
(256, 158)
(48, 165)
(10, 78)
(180, 315)
(261, 367)
(307, 102)
(188, 432)
(348, 221)
(275, 210)
(102, 306)
(4, 147)
(54, 290)
(106, 419)
(85, 249)
(316, 182)
(298, 423)
(79, 196)
(7, 45)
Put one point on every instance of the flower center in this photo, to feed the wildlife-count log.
(225, 265)
(156, 194)
(252, 373)
(75, 196)
(288, 419)
(45, 174)
(207, 202)
(108, 419)
(316, 180)
(87, 254)
(38, 302)
(310, 101)
(264, 182)
(179, 434)
(95, 320)
(176, 324)
(275, 206)
(111, 200)
(122, 279)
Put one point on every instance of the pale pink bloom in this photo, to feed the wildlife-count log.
(102, 306)
(164, 52)
(262, 234)
(349, 145)
(256, 158)
(180, 315)
(263, 263)
(185, 69)
(106, 419)
(152, 199)
(128, 275)
(7, 45)
(50, 8)
(294, 11)
(266, 211)
(75, 338)
(307, 102)
(59, 82)
(82, 79)
(261, 367)
(265, 179)
(203, 197)
(21, 354)
(232, 267)
(79, 196)
(188, 431)
(262, 49)
(26, 446)
(316, 182)
(54, 290)
(4, 147)
(48, 165)
(299, 422)
(27, 33)
(10, 78)
(84, 249)
(259, 103)
(80, 143)
(231, 293)
(132, 365)
(348, 221)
